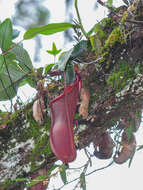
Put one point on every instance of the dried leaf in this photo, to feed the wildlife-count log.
(85, 97)
(38, 111)
(128, 149)
(103, 145)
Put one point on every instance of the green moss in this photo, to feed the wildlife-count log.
(106, 22)
(119, 78)
(124, 17)
(115, 36)
(41, 139)
(40, 151)
(22, 127)
(99, 30)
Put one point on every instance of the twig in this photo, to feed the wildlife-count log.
(88, 63)
(99, 169)
(76, 168)
(83, 172)
(87, 174)
(76, 185)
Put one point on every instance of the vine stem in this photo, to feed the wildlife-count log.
(102, 168)
(79, 20)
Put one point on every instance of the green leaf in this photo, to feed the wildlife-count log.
(96, 44)
(29, 80)
(80, 49)
(5, 34)
(47, 29)
(21, 179)
(36, 180)
(110, 3)
(16, 66)
(130, 129)
(1, 63)
(63, 173)
(70, 74)
(99, 30)
(48, 68)
(32, 183)
(22, 56)
(82, 181)
(54, 50)
(7, 91)
(52, 169)
(64, 59)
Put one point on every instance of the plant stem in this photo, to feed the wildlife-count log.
(79, 20)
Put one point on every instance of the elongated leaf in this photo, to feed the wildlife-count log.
(5, 34)
(21, 179)
(36, 180)
(32, 183)
(48, 68)
(52, 169)
(64, 59)
(82, 181)
(47, 29)
(63, 174)
(130, 129)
